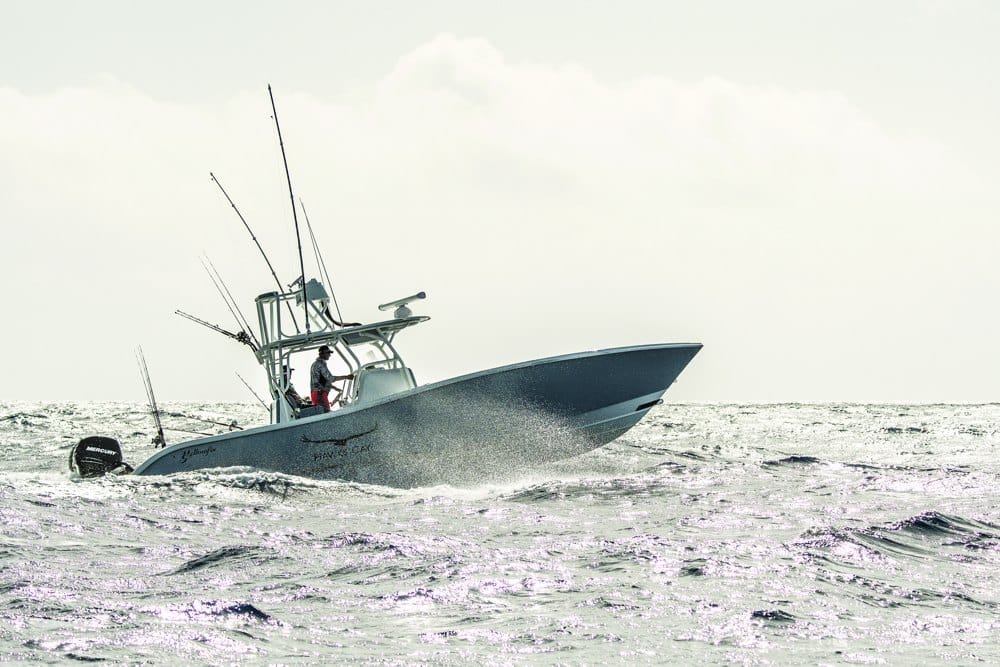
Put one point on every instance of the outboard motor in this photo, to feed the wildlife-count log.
(96, 456)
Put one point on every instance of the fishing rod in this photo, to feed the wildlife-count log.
(185, 430)
(322, 264)
(234, 308)
(242, 336)
(225, 300)
(259, 399)
(147, 383)
(295, 216)
(259, 247)
(232, 426)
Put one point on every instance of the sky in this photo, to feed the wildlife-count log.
(808, 189)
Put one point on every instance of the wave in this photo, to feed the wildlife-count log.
(233, 556)
(897, 537)
(604, 488)
(869, 561)
(887, 566)
(253, 483)
(958, 531)
(209, 609)
(19, 416)
(773, 616)
(796, 459)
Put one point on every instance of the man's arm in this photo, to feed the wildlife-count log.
(327, 377)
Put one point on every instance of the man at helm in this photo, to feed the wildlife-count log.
(321, 379)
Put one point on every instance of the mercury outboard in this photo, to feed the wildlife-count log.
(96, 456)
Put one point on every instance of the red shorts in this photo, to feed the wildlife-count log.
(322, 398)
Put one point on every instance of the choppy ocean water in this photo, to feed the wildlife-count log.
(748, 534)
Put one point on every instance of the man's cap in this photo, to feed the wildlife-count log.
(324, 348)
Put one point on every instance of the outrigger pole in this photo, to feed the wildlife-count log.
(254, 237)
(159, 439)
(295, 217)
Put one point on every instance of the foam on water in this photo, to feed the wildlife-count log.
(740, 533)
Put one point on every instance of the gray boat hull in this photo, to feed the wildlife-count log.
(484, 426)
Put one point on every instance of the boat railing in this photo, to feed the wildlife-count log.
(276, 312)
(366, 350)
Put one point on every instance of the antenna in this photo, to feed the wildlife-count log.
(264, 254)
(144, 371)
(295, 217)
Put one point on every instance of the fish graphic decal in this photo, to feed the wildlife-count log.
(339, 441)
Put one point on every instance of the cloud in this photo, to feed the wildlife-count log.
(701, 143)
(455, 109)
(531, 199)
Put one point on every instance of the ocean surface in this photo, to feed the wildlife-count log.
(741, 534)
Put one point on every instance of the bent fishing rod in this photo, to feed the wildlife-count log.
(259, 247)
